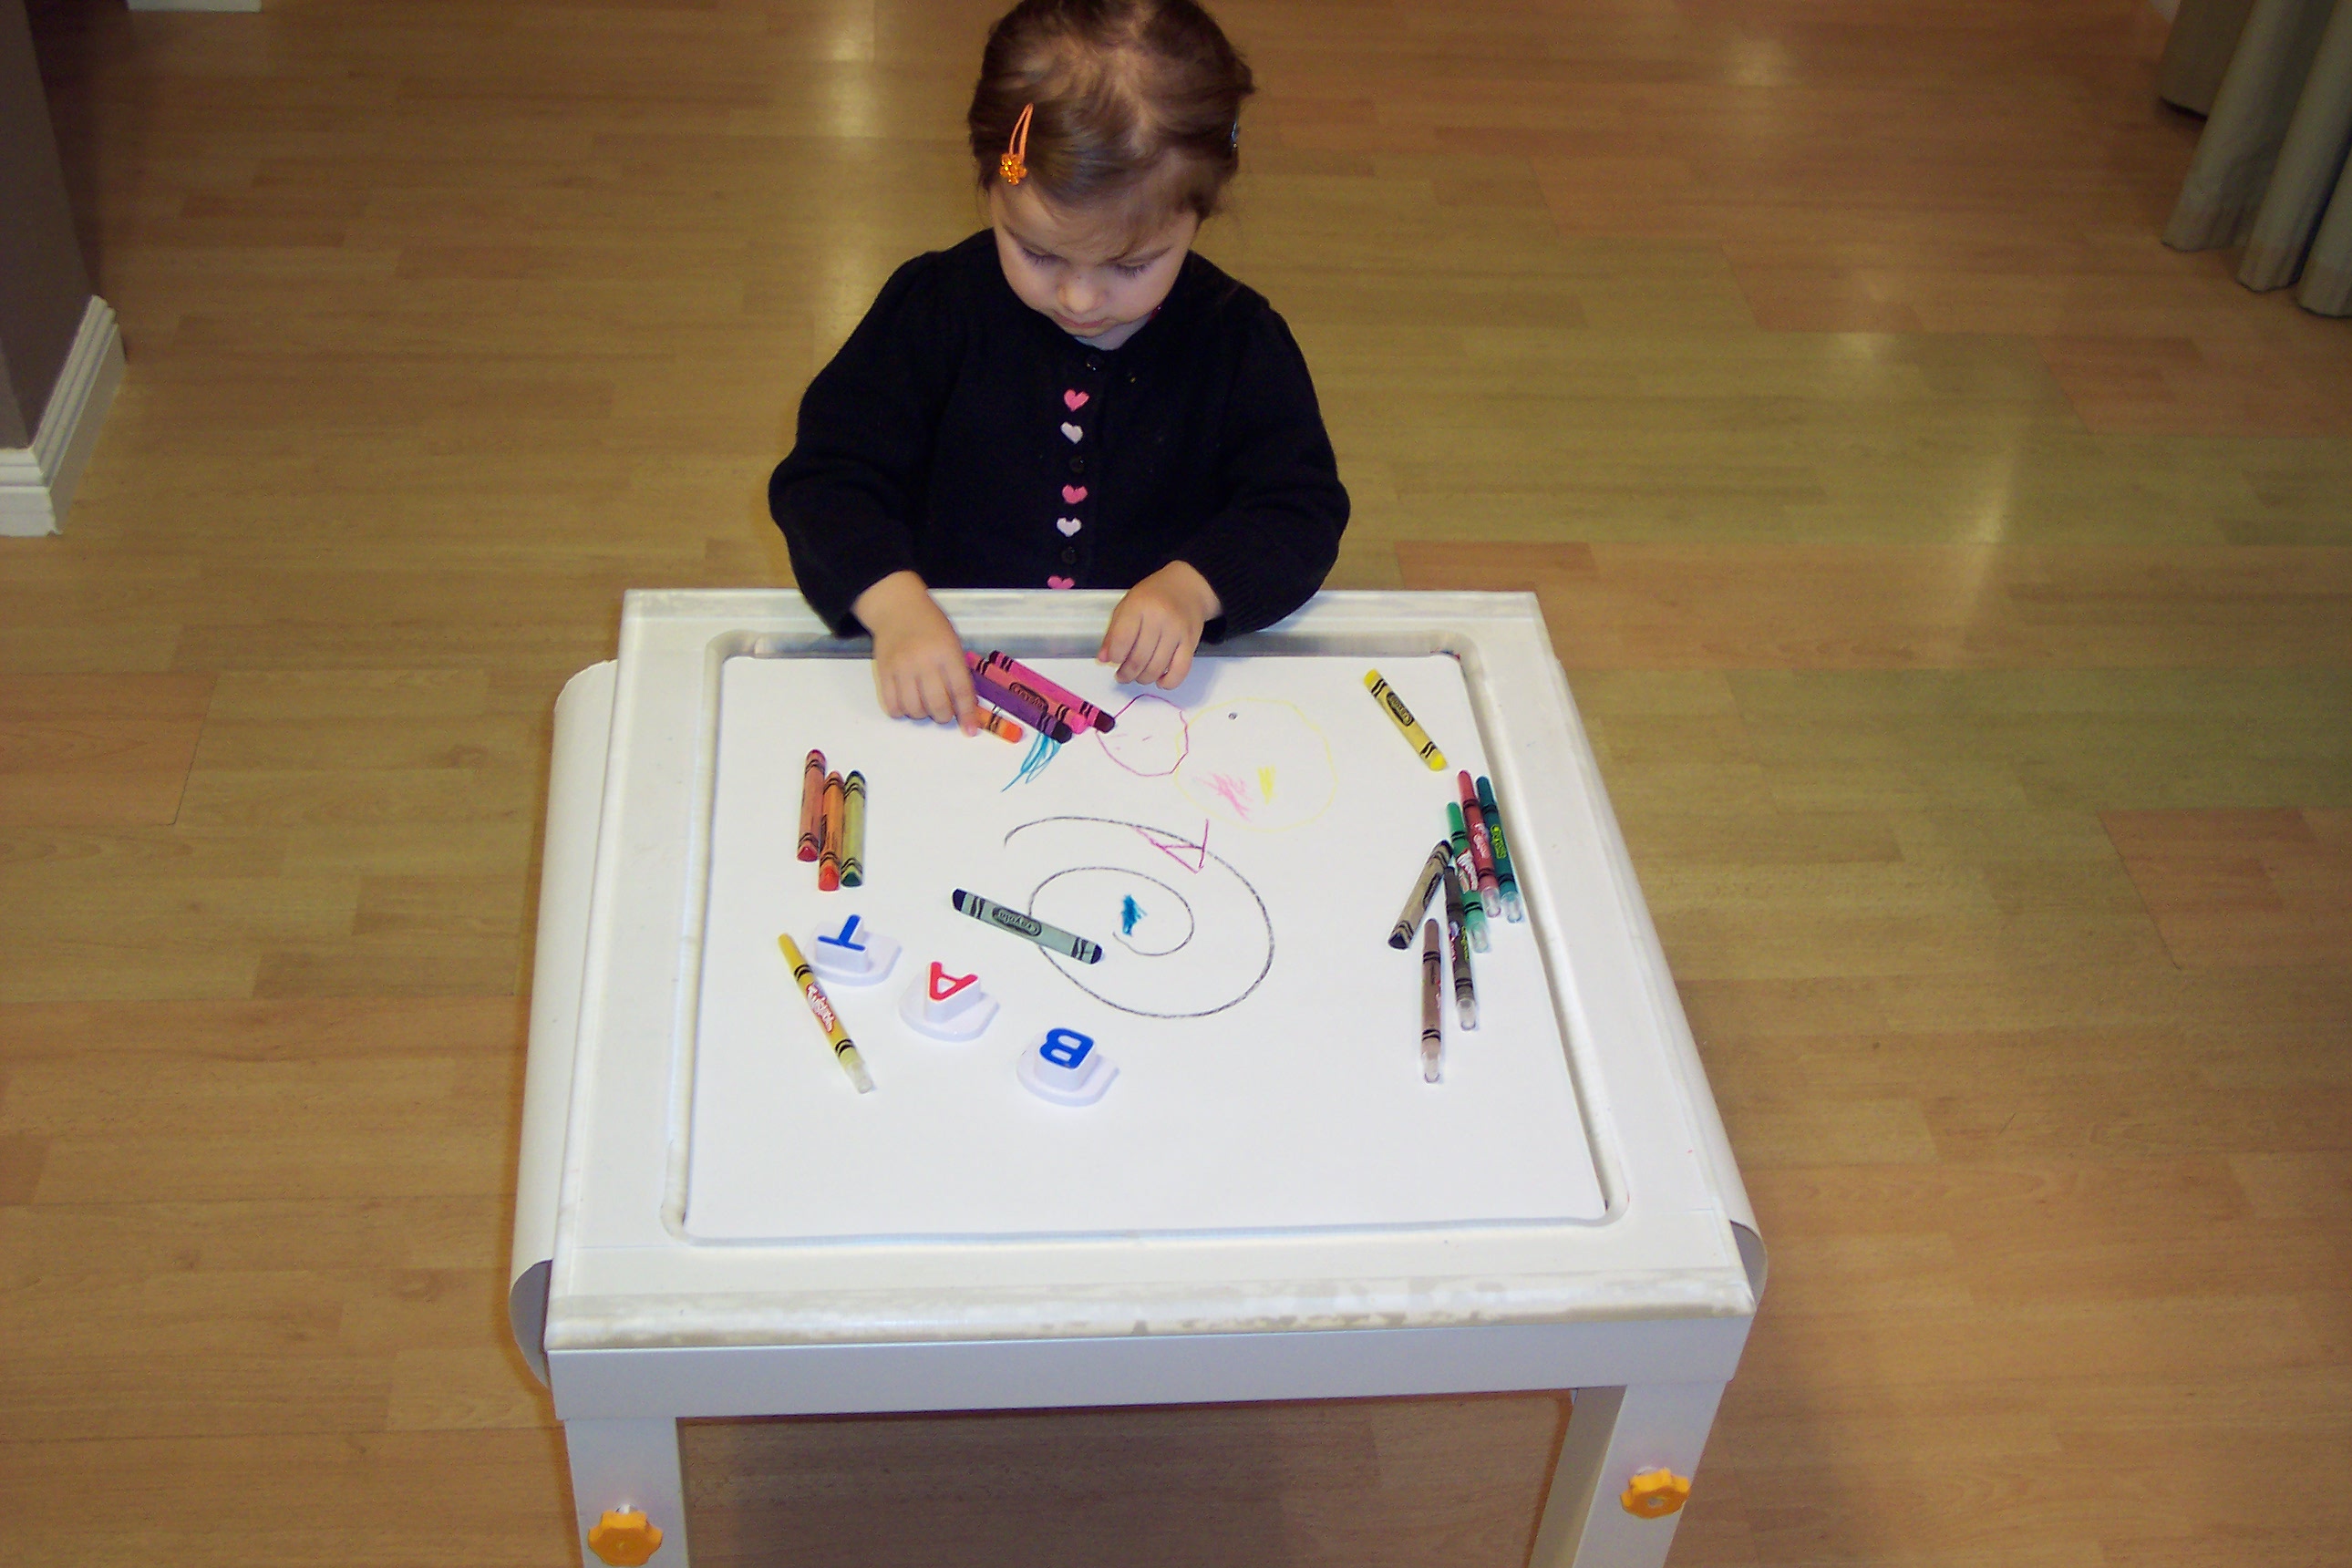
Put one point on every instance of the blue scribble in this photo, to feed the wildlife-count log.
(1041, 748)
(1129, 913)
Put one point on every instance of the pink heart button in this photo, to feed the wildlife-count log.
(1074, 494)
(1074, 401)
(1061, 582)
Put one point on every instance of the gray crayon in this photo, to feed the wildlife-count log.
(1053, 938)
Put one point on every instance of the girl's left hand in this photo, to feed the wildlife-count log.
(1155, 629)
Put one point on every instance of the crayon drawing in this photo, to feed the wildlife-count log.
(1188, 952)
(1042, 750)
(1151, 738)
(1239, 751)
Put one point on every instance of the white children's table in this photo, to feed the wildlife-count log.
(1266, 1202)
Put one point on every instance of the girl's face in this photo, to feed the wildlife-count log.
(1098, 288)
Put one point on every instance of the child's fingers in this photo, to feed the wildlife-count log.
(1180, 664)
(1118, 637)
(960, 695)
(1149, 657)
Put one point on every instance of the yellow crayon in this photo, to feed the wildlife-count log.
(1393, 706)
(844, 1050)
(853, 832)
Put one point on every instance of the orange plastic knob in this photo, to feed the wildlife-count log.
(625, 1537)
(1656, 1494)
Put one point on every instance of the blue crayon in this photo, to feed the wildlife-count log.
(1503, 872)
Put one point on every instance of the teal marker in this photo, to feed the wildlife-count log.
(1459, 832)
(1503, 872)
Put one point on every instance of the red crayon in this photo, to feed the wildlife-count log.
(1482, 848)
(1005, 670)
(828, 857)
(812, 804)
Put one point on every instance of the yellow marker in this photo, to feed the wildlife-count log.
(843, 1051)
(1393, 706)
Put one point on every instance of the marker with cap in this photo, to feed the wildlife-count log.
(844, 1051)
(1463, 868)
(1423, 887)
(1466, 995)
(1504, 873)
(1482, 849)
(1433, 1038)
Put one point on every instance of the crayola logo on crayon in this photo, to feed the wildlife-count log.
(1011, 921)
(1401, 717)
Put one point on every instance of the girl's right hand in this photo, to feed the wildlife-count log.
(919, 668)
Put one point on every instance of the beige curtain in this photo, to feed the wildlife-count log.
(2270, 169)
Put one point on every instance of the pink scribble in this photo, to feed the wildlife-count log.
(1233, 791)
(1170, 848)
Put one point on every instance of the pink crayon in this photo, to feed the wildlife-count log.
(1047, 718)
(1005, 670)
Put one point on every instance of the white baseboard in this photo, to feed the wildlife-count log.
(37, 482)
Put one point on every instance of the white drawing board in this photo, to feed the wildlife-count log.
(1240, 848)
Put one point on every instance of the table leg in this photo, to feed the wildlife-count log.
(1614, 1435)
(624, 1465)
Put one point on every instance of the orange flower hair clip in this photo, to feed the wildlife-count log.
(1014, 165)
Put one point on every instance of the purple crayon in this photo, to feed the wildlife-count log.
(1048, 718)
(1007, 671)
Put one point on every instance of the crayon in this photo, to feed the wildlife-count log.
(990, 912)
(996, 724)
(1023, 704)
(853, 830)
(1401, 716)
(1482, 849)
(1432, 1039)
(844, 1050)
(1465, 995)
(1083, 715)
(812, 804)
(828, 856)
(1463, 868)
(1423, 887)
(1504, 873)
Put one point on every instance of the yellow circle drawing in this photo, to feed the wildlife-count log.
(1258, 763)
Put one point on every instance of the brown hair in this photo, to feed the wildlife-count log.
(1137, 105)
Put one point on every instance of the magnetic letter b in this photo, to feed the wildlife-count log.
(1065, 1048)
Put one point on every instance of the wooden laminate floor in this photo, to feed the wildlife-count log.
(1958, 585)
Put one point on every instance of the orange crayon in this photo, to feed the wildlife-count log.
(996, 724)
(828, 856)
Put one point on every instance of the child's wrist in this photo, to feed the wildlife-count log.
(889, 601)
(1201, 598)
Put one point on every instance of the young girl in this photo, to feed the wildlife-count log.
(1070, 398)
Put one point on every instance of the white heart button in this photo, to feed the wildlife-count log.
(1072, 431)
(1068, 525)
